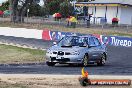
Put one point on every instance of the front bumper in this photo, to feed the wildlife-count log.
(64, 58)
(67, 59)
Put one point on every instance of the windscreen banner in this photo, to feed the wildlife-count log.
(108, 40)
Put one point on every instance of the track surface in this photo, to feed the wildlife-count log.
(119, 61)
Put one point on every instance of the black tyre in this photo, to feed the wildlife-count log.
(50, 63)
(85, 60)
(102, 60)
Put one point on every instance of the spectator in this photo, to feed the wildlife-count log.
(87, 18)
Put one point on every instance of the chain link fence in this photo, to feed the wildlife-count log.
(82, 23)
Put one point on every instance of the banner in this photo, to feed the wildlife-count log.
(108, 40)
(117, 41)
(56, 35)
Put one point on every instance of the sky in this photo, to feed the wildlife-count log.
(2, 1)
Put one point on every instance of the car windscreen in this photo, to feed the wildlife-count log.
(73, 41)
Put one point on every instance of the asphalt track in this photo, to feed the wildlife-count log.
(119, 61)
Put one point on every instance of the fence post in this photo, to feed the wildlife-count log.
(27, 15)
(131, 20)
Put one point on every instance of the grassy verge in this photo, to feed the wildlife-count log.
(12, 54)
(107, 31)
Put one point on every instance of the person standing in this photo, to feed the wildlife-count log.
(87, 18)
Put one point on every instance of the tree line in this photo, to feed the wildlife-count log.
(19, 8)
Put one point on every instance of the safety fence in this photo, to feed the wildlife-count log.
(63, 22)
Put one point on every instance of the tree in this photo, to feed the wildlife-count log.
(66, 9)
(4, 6)
(19, 8)
(46, 7)
(54, 6)
(34, 10)
(85, 0)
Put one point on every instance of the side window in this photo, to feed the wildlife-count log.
(96, 41)
(91, 42)
(86, 40)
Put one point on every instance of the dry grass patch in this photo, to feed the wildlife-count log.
(4, 84)
(50, 81)
(12, 54)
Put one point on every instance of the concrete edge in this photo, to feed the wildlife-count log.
(64, 76)
(21, 46)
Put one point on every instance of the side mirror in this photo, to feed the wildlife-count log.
(54, 43)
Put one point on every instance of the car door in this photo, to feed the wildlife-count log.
(98, 47)
(94, 45)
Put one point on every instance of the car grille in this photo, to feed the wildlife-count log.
(67, 53)
(54, 52)
(60, 53)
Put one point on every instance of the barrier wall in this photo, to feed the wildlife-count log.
(56, 35)
(118, 41)
(109, 40)
(21, 32)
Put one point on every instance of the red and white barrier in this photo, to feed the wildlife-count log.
(21, 32)
(57, 35)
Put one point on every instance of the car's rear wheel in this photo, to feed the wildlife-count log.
(102, 60)
(50, 63)
(85, 60)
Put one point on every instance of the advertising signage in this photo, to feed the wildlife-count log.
(108, 40)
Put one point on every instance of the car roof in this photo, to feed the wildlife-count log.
(89, 35)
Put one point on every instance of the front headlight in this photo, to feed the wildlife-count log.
(75, 53)
(49, 51)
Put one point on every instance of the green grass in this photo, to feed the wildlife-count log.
(12, 54)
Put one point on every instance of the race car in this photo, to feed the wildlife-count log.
(77, 50)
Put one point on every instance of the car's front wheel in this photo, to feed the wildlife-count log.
(102, 60)
(50, 63)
